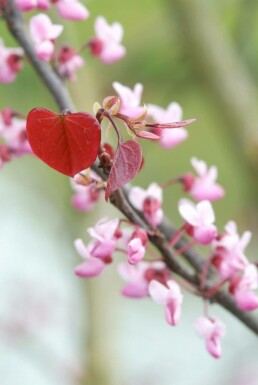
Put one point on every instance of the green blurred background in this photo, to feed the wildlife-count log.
(202, 54)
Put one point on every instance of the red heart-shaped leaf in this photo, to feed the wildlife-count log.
(69, 143)
(126, 164)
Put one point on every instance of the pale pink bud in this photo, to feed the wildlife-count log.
(72, 10)
(85, 196)
(211, 330)
(241, 288)
(10, 63)
(170, 296)
(92, 266)
(69, 62)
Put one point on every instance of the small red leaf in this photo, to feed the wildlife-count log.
(147, 135)
(69, 143)
(126, 164)
(183, 123)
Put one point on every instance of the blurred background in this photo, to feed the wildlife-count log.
(56, 329)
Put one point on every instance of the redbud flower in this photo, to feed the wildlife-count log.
(13, 132)
(87, 195)
(10, 63)
(130, 99)
(170, 296)
(149, 202)
(169, 138)
(92, 266)
(72, 10)
(106, 45)
(139, 276)
(69, 62)
(43, 33)
(201, 218)
(211, 330)
(242, 288)
(202, 187)
(27, 5)
(228, 251)
(136, 246)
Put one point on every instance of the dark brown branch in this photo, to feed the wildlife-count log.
(120, 198)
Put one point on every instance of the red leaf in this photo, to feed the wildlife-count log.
(147, 135)
(68, 143)
(126, 164)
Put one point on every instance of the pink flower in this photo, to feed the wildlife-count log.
(201, 218)
(72, 10)
(136, 246)
(92, 266)
(170, 138)
(203, 187)
(10, 63)
(242, 288)
(130, 99)
(104, 239)
(99, 251)
(170, 296)
(87, 195)
(27, 5)
(69, 62)
(44, 33)
(228, 251)
(13, 133)
(149, 202)
(211, 330)
(106, 45)
(139, 276)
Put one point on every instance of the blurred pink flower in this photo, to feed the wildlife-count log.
(106, 45)
(27, 5)
(44, 33)
(202, 187)
(68, 62)
(170, 138)
(130, 99)
(136, 246)
(211, 330)
(10, 63)
(85, 196)
(92, 266)
(170, 296)
(201, 217)
(242, 288)
(149, 202)
(72, 10)
(228, 251)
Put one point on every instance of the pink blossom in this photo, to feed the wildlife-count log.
(27, 5)
(130, 99)
(10, 63)
(149, 202)
(211, 330)
(106, 45)
(69, 62)
(72, 10)
(139, 276)
(13, 133)
(103, 239)
(201, 218)
(92, 266)
(87, 195)
(202, 187)
(170, 296)
(170, 138)
(136, 246)
(44, 33)
(242, 288)
(228, 251)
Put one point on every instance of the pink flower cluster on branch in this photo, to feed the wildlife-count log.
(145, 273)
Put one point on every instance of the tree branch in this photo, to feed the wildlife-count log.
(119, 198)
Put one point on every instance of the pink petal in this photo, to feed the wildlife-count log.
(72, 10)
(246, 300)
(158, 292)
(91, 268)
